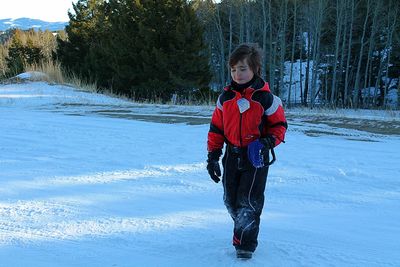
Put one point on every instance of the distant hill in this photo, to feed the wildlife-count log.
(27, 23)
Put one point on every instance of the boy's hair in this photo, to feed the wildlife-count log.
(249, 51)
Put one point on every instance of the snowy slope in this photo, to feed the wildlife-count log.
(88, 180)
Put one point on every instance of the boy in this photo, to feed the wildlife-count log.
(251, 121)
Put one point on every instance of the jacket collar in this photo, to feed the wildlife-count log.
(257, 83)
(240, 87)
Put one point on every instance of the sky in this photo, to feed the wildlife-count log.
(47, 10)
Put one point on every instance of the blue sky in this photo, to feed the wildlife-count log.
(47, 10)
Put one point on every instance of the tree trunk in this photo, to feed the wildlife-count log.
(370, 49)
(228, 74)
(241, 23)
(307, 81)
(392, 19)
(378, 77)
(357, 90)
(221, 46)
(301, 67)
(271, 51)
(293, 49)
(339, 23)
(264, 40)
(248, 21)
(398, 92)
(344, 39)
(346, 82)
(316, 52)
(282, 38)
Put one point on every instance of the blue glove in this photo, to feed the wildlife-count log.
(258, 151)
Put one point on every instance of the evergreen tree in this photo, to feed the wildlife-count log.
(15, 59)
(189, 50)
(21, 54)
(122, 45)
(32, 54)
(3, 61)
(173, 55)
(83, 33)
(146, 49)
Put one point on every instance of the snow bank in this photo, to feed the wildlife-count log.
(33, 76)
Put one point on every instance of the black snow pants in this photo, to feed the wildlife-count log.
(244, 187)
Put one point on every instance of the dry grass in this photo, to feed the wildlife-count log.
(51, 69)
(55, 74)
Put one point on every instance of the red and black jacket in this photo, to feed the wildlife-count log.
(265, 116)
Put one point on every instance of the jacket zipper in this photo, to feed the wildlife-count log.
(240, 130)
(239, 159)
(240, 124)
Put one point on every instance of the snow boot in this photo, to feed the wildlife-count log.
(243, 254)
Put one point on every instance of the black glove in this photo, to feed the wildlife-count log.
(268, 142)
(213, 165)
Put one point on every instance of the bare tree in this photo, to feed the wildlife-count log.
(230, 34)
(248, 19)
(301, 66)
(241, 23)
(342, 55)
(350, 43)
(308, 70)
(357, 89)
(398, 92)
(283, 21)
(293, 50)
(340, 11)
(385, 52)
(272, 49)
(359, 35)
(221, 42)
(392, 19)
(368, 67)
(317, 20)
(264, 38)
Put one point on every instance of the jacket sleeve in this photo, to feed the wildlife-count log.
(216, 133)
(276, 124)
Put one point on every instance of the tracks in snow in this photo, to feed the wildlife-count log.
(103, 204)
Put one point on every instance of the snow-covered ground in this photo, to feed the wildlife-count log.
(89, 180)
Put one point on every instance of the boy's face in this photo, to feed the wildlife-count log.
(241, 72)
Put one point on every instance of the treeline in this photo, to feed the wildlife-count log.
(340, 53)
(333, 52)
(19, 49)
(142, 49)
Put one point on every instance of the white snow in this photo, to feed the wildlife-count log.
(90, 180)
(299, 70)
(33, 75)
